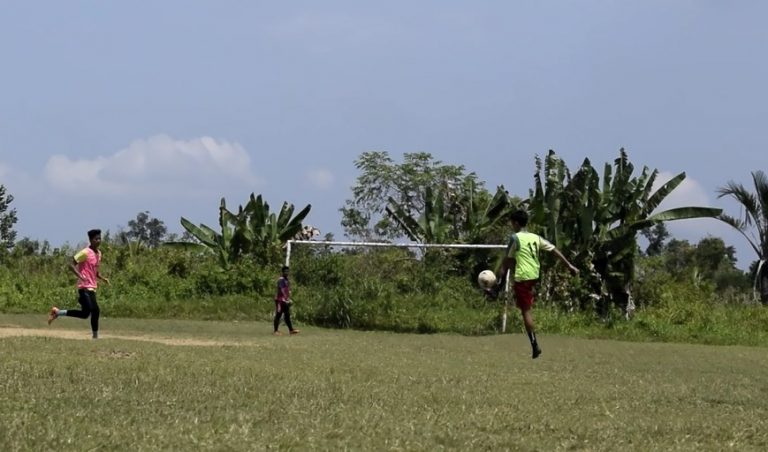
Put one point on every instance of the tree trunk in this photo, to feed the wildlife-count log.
(761, 281)
(764, 287)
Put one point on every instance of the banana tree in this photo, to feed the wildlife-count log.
(220, 242)
(265, 228)
(432, 226)
(598, 223)
(483, 216)
(253, 230)
(755, 217)
(472, 217)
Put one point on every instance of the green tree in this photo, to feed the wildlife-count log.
(679, 258)
(754, 223)
(146, 230)
(253, 230)
(480, 214)
(597, 221)
(7, 220)
(29, 247)
(365, 216)
(656, 237)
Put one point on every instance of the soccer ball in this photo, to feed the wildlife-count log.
(486, 279)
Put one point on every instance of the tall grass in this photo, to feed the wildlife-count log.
(392, 290)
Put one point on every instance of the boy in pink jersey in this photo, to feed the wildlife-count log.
(85, 265)
(283, 304)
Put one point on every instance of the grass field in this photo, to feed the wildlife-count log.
(186, 385)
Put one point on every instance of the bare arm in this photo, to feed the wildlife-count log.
(73, 267)
(103, 278)
(507, 264)
(565, 261)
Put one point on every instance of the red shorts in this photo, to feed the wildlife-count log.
(524, 293)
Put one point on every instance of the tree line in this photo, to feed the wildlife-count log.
(595, 216)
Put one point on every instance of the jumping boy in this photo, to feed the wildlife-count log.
(523, 256)
(85, 265)
(283, 303)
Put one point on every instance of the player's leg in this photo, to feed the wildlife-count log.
(278, 314)
(54, 314)
(530, 328)
(94, 307)
(82, 313)
(524, 298)
(287, 310)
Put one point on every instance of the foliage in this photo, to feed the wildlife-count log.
(7, 220)
(377, 289)
(365, 216)
(754, 224)
(29, 247)
(395, 291)
(253, 231)
(481, 214)
(146, 230)
(656, 237)
(597, 222)
(709, 261)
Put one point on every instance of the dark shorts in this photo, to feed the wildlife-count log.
(524, 293)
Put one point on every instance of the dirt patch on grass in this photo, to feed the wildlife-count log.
(13, 331)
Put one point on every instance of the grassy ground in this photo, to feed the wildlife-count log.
(188, 385)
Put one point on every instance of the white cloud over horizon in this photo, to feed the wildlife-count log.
(691, 193)
(155, 166)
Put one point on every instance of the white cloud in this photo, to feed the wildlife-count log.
(688, 193)
(156, 166)
(320, 178)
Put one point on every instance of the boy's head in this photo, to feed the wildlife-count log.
(285, 270)
(519, 219)
(94, 236)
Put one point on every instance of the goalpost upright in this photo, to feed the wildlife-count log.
(289, 244)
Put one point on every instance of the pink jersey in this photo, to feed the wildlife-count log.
(283, 289)
(88, 267)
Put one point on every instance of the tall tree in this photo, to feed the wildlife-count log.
(7, 220)
(144, 229)
(382, 180)
(656, 237)
(753, 225)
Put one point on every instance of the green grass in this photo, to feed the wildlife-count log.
(341, 389)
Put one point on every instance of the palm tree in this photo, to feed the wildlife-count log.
(754, 225)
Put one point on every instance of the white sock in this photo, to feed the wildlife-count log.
(62, 312)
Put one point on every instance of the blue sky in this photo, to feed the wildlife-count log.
(112, 108)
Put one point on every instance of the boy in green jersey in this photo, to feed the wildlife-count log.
(522, 256)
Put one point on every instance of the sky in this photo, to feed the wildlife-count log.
(108, 109)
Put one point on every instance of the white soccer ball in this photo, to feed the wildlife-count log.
(486, 279)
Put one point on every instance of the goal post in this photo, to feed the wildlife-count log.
(291, 243)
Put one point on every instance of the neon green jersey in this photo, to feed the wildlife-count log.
(525, 248)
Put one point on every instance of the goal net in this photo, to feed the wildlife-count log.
(420, 246)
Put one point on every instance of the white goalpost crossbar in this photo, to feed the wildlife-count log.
(290, 243)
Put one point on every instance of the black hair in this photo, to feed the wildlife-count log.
(285, 267)
(93, 233)
(520, 216)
